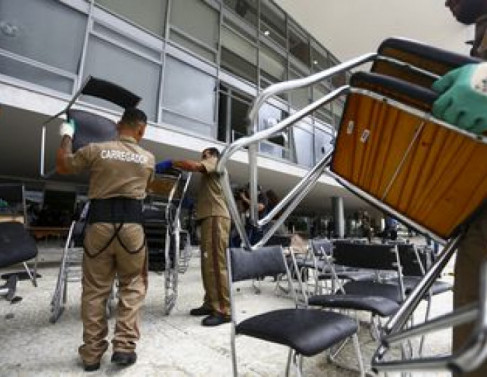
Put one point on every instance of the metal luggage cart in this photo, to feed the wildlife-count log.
(390, 151)
(169, 247)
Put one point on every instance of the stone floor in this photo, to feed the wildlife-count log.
(170, 346)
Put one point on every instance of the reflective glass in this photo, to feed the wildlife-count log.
(115, 64)
(151, 16)
(43, 30)
(188, 91)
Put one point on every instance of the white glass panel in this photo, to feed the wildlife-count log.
(43, 30)
(303, 146)
(149, 14)
(111, 63)
(197, 19)
(189, 91)
(273, 64)
(26, 72)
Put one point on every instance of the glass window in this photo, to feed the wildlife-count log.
(151, 16)
(112, 63)
(232, 116)
(194, 20)
(44, 31)
(246, 9)
(299, 44)
(319, 59)
(323, 143)
(278, 145)
(299, 97)
(323, 113)
(238, 55)
(26, 72)
(189, 94)
(273, 22)
(302, 137)
(273, 65)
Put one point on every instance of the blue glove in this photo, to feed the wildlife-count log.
(463, 97)
(162, 166)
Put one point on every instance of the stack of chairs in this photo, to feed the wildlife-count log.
(391, 152)
(16, 244)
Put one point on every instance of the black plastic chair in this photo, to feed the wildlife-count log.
(16, 246)
(305, 331)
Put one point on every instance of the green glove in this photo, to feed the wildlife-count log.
(463, 97)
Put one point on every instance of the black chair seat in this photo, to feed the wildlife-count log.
(372, 288)
(377, 305)
(411, 281)
(352, 274)
(16, 244)
(307, 331)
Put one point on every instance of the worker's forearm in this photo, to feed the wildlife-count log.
(65, 149)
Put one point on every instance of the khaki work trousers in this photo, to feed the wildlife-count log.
(126, 258)
(471, 252)
(214, 242)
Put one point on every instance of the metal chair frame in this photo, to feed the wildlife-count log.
(475, 352)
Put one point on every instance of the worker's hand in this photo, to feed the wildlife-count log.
(463, 97)
(162, 166)
(67, 128)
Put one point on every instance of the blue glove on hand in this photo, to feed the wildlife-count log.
(162, 166)
(463, 97)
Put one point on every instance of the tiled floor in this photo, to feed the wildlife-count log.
(171, 346)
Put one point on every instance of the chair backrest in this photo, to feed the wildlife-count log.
(370, 256)
(16, 245)
(12, 202)
(322, 247)
(91, 128)
(247, 265)
(58, 208)
(413, 261)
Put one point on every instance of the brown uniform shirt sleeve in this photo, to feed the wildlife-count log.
(81, 159)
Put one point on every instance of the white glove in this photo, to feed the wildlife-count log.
(67, 128)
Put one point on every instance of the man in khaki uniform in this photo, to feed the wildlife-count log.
(472, 250)
(214, 218)
(114, 241)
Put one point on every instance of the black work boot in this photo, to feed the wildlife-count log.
(124, 358)
(91, 367)
(202, 310)
(215, 320)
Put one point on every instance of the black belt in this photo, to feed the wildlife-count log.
(115, 210)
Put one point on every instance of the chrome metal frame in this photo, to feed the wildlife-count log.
(475, 352)
(171, 274)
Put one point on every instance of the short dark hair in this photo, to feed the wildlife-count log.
(131, 116)
(468, 11)
(212, 151)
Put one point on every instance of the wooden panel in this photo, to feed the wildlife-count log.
(435, 176)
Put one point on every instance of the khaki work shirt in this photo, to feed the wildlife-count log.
(211, 201)
(117, 168)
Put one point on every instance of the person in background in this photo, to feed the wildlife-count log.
(462, 101)
(214, 218)
(255, 234)
(114, 242)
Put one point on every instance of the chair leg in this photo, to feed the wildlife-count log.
(31, 277)
(356, 345)
(289, 358)
(9, 288)
(234, 353)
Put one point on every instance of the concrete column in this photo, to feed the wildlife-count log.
(338, 216)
